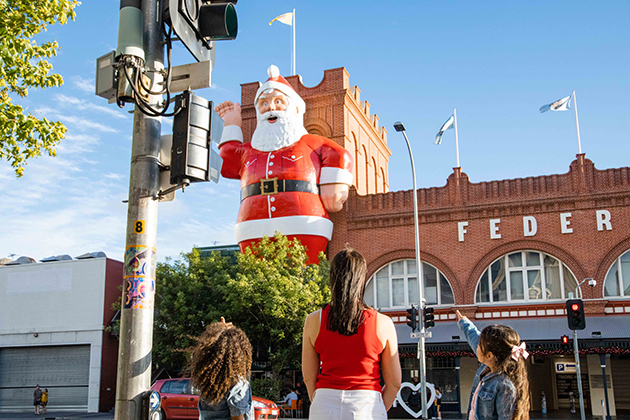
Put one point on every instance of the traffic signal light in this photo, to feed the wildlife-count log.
(564, 342)
(195, 125)
(428, 317)
(412, 318)
(575, 314)
(198, 23)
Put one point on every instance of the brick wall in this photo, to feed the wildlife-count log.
(380, 226)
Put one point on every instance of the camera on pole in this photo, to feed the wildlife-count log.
(575, 314)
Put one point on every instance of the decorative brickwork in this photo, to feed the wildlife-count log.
(334, 109)
(582, 218)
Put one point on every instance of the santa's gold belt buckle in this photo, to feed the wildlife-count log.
(270, 182)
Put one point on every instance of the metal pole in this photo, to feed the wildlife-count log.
(579, 373)
(421, 356)
(136, 325)
(456, 138)
(577, 124)
(602, 362)
(293, 52)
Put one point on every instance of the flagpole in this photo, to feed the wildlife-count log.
(577, 124)
(293, 53)
(456, 139)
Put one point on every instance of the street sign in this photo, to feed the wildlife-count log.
(563, 367)
(426, 334)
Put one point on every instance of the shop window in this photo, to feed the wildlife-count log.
(617, 281)
(395, 286)
(525, 276)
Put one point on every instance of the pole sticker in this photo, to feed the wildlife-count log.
(139, 277)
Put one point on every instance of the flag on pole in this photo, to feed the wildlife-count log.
(286, 18)
(563, 104)
(448, 124)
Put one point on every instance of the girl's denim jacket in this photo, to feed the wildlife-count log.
(497, 395)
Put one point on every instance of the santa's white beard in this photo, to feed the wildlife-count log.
(287, 129)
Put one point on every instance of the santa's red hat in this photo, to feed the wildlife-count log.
(278, 82)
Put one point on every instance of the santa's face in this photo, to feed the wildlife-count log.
(279, 122)
(272, 101)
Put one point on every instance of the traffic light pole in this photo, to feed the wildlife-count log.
(421, 340)
(136, 325)
(579, 373)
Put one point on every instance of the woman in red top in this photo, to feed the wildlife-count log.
(352, 344)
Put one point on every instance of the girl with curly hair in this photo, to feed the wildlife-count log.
(501, 387)
(219, 366)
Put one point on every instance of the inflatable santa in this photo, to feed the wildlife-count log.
(290, 179)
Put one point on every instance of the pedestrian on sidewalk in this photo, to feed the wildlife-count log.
(219, 368)
(352, 343)
(37, 398)
(500, 389)
(44, 400)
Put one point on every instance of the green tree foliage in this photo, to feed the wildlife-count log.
(268, 388)
(267, 294)
(23, 65)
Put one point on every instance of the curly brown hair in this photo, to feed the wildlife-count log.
(500, 339)
(221, 358)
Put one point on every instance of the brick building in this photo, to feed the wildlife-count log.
(504, 251)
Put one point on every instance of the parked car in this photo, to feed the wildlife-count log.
(179, 401)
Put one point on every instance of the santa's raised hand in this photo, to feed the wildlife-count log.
(230, 113)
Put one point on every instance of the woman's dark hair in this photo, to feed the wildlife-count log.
(347, 286)
(500, 339)
(221, 358)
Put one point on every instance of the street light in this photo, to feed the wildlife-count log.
(591, 283)
(398, 126)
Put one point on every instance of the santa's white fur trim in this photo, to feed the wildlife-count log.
(330, 175)
(273, 71)
(231, 132)
(289, 225)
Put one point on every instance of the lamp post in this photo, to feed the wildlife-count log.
(576, 352)
(421, 356)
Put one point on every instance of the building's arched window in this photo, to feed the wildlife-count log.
(618, 278)
(525, 276)
(395, 286)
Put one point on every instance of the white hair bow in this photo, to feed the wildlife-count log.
(519, 351)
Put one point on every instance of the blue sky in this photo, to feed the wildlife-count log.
(497, 62)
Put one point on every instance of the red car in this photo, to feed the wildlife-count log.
(179, 401)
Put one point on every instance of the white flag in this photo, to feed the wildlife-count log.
(287, 19)
(448, 124)
(563, 104)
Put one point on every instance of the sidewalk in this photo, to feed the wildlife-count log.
(61, 415)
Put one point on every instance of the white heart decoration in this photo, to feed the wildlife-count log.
(399, 400)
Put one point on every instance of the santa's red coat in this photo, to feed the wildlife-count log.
(295, 214)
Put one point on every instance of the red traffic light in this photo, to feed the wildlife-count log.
(565, 339)
(575, 314)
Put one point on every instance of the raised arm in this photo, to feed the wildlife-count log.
(470, 331)
(390, 362)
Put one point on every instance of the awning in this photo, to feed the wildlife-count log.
(447, 334)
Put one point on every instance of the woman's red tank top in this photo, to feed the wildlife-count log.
(349, 362)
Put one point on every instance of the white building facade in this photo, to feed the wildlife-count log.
(53, 317)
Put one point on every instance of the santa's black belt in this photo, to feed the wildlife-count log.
(273, 186)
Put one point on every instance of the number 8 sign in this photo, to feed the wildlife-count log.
(138, 226)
